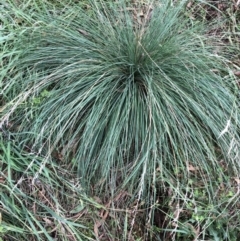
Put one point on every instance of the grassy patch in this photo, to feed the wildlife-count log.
(133, 106)
(50, 205)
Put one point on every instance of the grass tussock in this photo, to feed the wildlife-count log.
(138, 108)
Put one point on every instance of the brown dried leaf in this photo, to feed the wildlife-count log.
(47, 221)
(237, 180)
(192, 168)
(2, 180)
(237, 73)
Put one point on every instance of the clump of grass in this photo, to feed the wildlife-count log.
(133, 104)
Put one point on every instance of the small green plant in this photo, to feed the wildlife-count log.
(40, 98)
